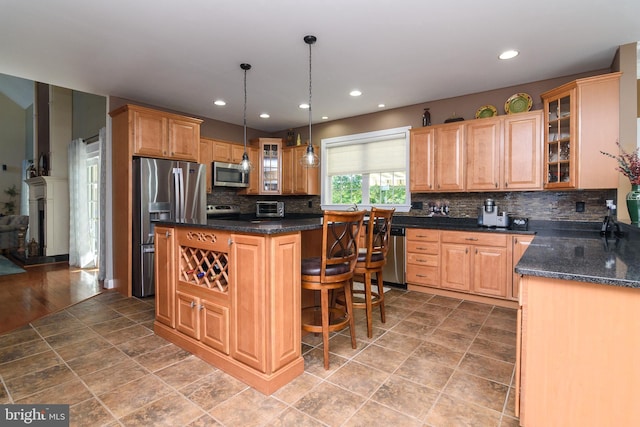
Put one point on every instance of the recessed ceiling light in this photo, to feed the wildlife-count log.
(220, 102)
(264, 115)
(508, 54)
(381, 105)
(325, 117)
(304, 106)
(355, 92)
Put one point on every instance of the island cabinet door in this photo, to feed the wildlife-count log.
(187, 318)
(165, 275)
(248, 300)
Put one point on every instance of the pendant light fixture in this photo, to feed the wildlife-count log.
(310, 158)
(245, 164)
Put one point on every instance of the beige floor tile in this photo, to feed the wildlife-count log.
(500, 322)
(453, 340)
(341, 345)
(71, 337)
(399, 342)
(461, 325)
(373, 414)
(143, 316)
(406, 396)
(29, 364)
(127, 334)
(162, 357)
(213, 389)
(22, 350)
(497, 350)
(497, 335)
(133, 395)
(142, 345)
(185, 372)
(297, 388)
(480, 391)
(69, 393)
(114, 376)
(444, 301)
(108, 326)
(440, 354)
(455, 412)
(205, 420)
(425, 372)
(21, 335)
(65, 324)
(170, 410)
(90, 412)
(35, 382)
(382, 358)
(4, 396)
(358, 378)
(82, 348)
(291, 417)
(314, 362)
(486, 367)
(249, 408)
(412, 329)
(330, 404)
(96, 361)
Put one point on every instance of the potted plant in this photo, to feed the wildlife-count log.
(10, 206)
(629, 166)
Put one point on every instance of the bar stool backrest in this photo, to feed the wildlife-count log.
(340, 231)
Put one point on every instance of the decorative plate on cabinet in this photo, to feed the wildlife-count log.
(486, 111)
(518, 103)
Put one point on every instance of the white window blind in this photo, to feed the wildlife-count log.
(381, 154)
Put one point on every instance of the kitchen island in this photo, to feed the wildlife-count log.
(579, 330)
(229, 292)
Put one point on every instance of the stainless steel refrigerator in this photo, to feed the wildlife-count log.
(164, 190)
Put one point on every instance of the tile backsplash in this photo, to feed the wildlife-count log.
(537, 205)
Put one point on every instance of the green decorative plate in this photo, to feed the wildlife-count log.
(486, 111)
(518, 103)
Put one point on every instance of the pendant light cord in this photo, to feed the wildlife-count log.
(313, 41)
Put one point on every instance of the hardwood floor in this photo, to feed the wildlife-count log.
(42, 290)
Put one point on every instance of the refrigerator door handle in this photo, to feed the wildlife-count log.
(178, 185)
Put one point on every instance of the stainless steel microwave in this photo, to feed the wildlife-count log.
(229, 175)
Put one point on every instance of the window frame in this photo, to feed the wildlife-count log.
(361, 138)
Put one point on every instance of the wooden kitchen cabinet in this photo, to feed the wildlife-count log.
(296, 179)
(163, 135)
(474, 262)
(164, 273)
(270, 165)
(225, 151)
(206, 157)
(503, 153)
(422, 258)
(203, 320)
(581, 118)
(519, 244)
(449, 157)
(254, 175)
(421, 160)
(578, 352)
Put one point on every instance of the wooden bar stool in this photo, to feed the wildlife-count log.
(333, 270)
(371, 260)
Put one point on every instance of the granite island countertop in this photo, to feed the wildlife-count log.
(258, 226)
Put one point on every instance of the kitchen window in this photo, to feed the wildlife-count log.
(367, 169)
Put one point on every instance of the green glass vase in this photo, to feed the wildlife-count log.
(633, 203)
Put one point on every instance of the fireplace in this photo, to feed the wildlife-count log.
(49, 215)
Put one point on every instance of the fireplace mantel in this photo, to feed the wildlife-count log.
(50, 194)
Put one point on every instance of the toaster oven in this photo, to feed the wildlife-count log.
(269, 209)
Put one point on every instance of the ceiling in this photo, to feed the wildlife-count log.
(183, 55)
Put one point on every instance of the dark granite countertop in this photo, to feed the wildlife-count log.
(257, 226)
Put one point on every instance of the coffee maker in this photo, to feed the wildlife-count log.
(488, 215)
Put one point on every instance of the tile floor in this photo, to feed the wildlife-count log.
(435, 362)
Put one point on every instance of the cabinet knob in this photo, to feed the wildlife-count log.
(506, 184)
(193, 304)
(230, 242)
(471, 238)
(466, 250)
(496, 184)
(201, 307)
(167, 234)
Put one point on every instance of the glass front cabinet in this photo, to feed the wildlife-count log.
(560, 141)
(270, 165)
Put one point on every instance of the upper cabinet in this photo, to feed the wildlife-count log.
(581, 118)
(270, 167)
(489, 154)
(224, 151)
(163, 135)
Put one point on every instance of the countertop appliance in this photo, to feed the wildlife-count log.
(164, 190)
(393, 270)
(229, 175)
(269, 209)
(488, 215)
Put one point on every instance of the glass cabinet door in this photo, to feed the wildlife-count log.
(270, 168)
(559, 143)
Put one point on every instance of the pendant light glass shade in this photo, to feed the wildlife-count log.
(310, 159)
(245, 163)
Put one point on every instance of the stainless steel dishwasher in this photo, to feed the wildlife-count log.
(393, 271)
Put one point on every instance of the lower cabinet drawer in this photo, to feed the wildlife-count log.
(423, 247)
(423, 259)
(423, 275)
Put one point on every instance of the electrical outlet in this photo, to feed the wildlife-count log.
(579, 206)
(416, 205)
(310, 203)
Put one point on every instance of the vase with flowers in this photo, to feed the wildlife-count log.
(629, 166)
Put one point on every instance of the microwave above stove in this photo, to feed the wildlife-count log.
(269, 209)
(229, 175)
